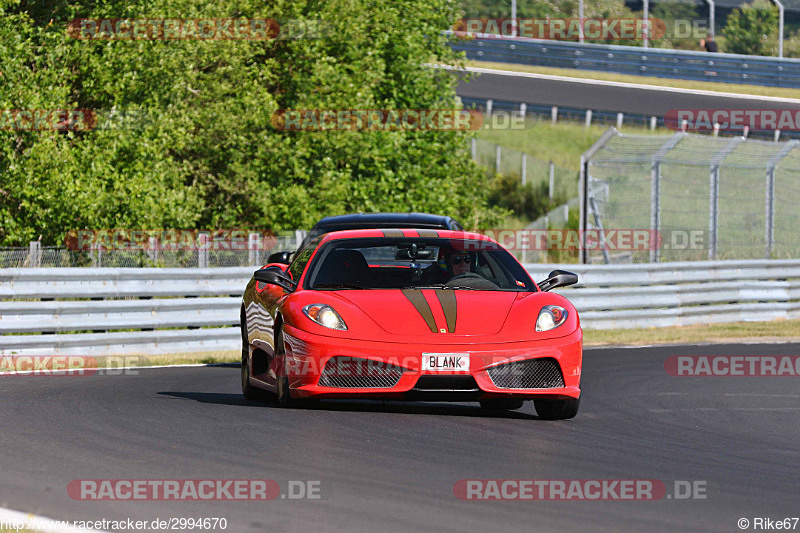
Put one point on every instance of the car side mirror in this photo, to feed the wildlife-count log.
(280, 257)
(558, 278)
(273, 277)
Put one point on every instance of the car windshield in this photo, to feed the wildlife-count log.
(415, 263)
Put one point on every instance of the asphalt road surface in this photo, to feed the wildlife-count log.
(650, 102)
(393, 466)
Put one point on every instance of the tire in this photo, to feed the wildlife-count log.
(501, 403)
(248, 391)
(557, 409)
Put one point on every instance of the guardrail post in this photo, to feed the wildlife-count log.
(152, 248)
(524, 167)
(489, 104)
(653, 122)
(473, 143)
(588, 117)
(202, 250)
(497, 153)
(620, 118)
(554, 115)
(523, 109)
(254, 249)
(35, 254)
(552, 179)
(299, 235)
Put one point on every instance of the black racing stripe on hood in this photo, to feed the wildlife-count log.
(419, 302)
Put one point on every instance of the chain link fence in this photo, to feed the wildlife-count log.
(37, 256)
(529, 169)
(709, 198)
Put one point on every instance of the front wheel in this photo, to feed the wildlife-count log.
(557, 409)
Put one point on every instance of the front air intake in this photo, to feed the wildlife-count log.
(355, 373)
(542, 373)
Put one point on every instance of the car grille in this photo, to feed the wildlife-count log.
(355, 373)
(531, 374)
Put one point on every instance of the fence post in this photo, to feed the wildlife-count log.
(202, 250)
(713, 201)
(524, 167)
(497, 153)
(655, 189)
(35, 254)
(770, 195)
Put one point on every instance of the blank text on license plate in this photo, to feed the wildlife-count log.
(445, 362)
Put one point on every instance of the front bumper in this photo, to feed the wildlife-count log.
(308, 354)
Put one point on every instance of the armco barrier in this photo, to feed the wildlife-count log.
(148, 311)
(678, 64)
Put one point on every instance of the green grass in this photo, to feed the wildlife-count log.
(776, 330)
(646, 80)
(562, 143)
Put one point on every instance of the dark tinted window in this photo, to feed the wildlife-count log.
(301, 259)
(416, 262)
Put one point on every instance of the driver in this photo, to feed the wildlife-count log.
(449, 264)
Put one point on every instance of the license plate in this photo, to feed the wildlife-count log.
(445, 362)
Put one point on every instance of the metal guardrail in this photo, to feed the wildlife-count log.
(149, 311)
(92, 311)
(678, 64)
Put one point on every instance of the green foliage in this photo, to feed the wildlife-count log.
(529, 200)
(752, 29)
(200, 150)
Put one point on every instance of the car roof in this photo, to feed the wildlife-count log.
(402, 232)
(385, 220)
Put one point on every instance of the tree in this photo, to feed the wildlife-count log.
(201, 151)
(752, 29)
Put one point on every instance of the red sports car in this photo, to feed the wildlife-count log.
(431, 315)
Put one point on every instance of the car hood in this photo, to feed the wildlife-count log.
(433, 312)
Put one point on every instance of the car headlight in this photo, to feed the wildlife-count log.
(324, 315)
(550, 317)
